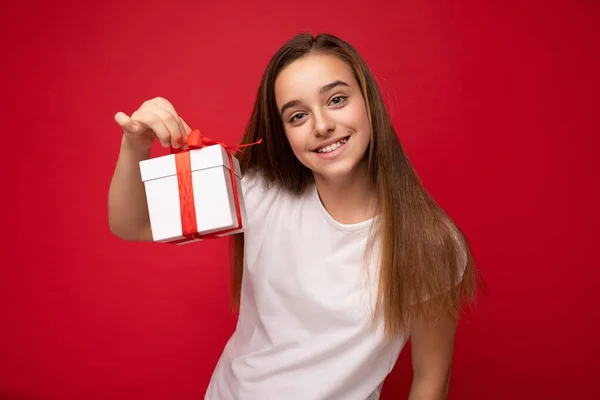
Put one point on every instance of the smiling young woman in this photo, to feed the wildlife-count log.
(345, 255)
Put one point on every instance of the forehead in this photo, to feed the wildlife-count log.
(305, 76)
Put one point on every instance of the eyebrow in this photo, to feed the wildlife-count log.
(332, 85)
(322, 90)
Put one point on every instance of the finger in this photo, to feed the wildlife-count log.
(148, 117)
(171, 124)
(186, 129)
(184, 132)
(161, 132)
(164, 104)
(186, 126)
(152, 116)
(126, 123)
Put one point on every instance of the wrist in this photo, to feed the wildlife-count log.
(134, 148)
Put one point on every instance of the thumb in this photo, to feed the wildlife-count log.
(126, 122)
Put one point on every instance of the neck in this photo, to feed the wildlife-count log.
(349, 200)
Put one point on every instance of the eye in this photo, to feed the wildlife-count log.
(339, 99)
(296, 117)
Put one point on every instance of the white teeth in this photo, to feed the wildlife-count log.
(332, 147)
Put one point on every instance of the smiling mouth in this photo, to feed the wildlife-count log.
(332, 147)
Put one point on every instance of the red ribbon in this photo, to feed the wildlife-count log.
(187, 206)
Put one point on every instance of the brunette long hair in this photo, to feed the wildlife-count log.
(424, 255)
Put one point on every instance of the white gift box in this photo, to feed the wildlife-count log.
(213, 196)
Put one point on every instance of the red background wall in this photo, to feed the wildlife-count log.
(496, 103)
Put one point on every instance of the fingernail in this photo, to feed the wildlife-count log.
(135, 127)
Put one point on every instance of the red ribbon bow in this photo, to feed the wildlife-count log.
(187, 206)
(196, 141)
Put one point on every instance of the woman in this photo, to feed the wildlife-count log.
(345, 255)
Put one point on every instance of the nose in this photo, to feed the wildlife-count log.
(324, 124)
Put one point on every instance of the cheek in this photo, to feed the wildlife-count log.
(361, 123)
(366, 128)
(296, 142)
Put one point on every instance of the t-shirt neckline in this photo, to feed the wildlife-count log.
(332, 221)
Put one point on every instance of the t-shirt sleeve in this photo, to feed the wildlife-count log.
(258, 197)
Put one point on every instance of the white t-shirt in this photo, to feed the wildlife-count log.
(305, 327)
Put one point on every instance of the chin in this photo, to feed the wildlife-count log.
(339, 172)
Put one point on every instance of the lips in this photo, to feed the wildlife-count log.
(331, 145)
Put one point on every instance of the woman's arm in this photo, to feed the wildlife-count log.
(156, 119)
(431, 352)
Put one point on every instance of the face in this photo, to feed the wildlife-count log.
(324, 115)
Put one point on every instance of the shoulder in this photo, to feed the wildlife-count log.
(253, 184)
(445, 264)
(461, 249)
(458, 241)
(259, 196)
